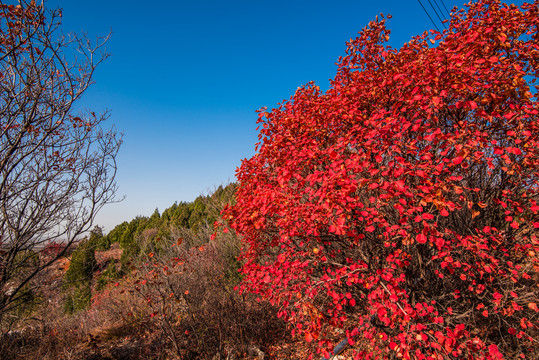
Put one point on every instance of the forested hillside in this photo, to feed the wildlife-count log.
(190, 220)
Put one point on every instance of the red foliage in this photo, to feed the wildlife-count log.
(53, 249)
(401, 205)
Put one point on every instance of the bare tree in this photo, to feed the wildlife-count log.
(57, 167)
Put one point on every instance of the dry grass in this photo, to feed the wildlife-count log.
(207, 320)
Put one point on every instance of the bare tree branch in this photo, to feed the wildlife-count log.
(57, 167)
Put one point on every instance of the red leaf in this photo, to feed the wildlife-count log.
(494, 352)
(421, 238)
(400, 185)
(458, 160)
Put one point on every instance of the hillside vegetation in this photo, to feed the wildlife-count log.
(395, 214)
(153, 288)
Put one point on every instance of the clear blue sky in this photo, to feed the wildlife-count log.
(185, 78)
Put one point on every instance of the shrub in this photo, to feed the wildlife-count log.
(78, 277)
(400, 206)
(187, 292)
(111, 273)
(79, 297)
(82, 265)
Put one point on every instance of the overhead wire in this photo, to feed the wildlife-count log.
(426, 12)
(436, 12)
(440, 10)
(445, 7)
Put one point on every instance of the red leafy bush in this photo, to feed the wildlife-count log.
(52, 250)
(400, 206)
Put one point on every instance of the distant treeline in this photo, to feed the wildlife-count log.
(145, 234)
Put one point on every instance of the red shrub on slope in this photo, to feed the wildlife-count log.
(401, 205)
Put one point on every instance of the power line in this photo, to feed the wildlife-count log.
(445, 7)
(438, 6)
(426, 12)
(440, 9)
(436, 12)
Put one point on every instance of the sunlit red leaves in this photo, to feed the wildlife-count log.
(494, 352)
(458, 160)
(427, 157)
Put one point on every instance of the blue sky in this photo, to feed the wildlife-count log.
(185, 77)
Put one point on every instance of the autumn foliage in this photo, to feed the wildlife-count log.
(399, 208)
